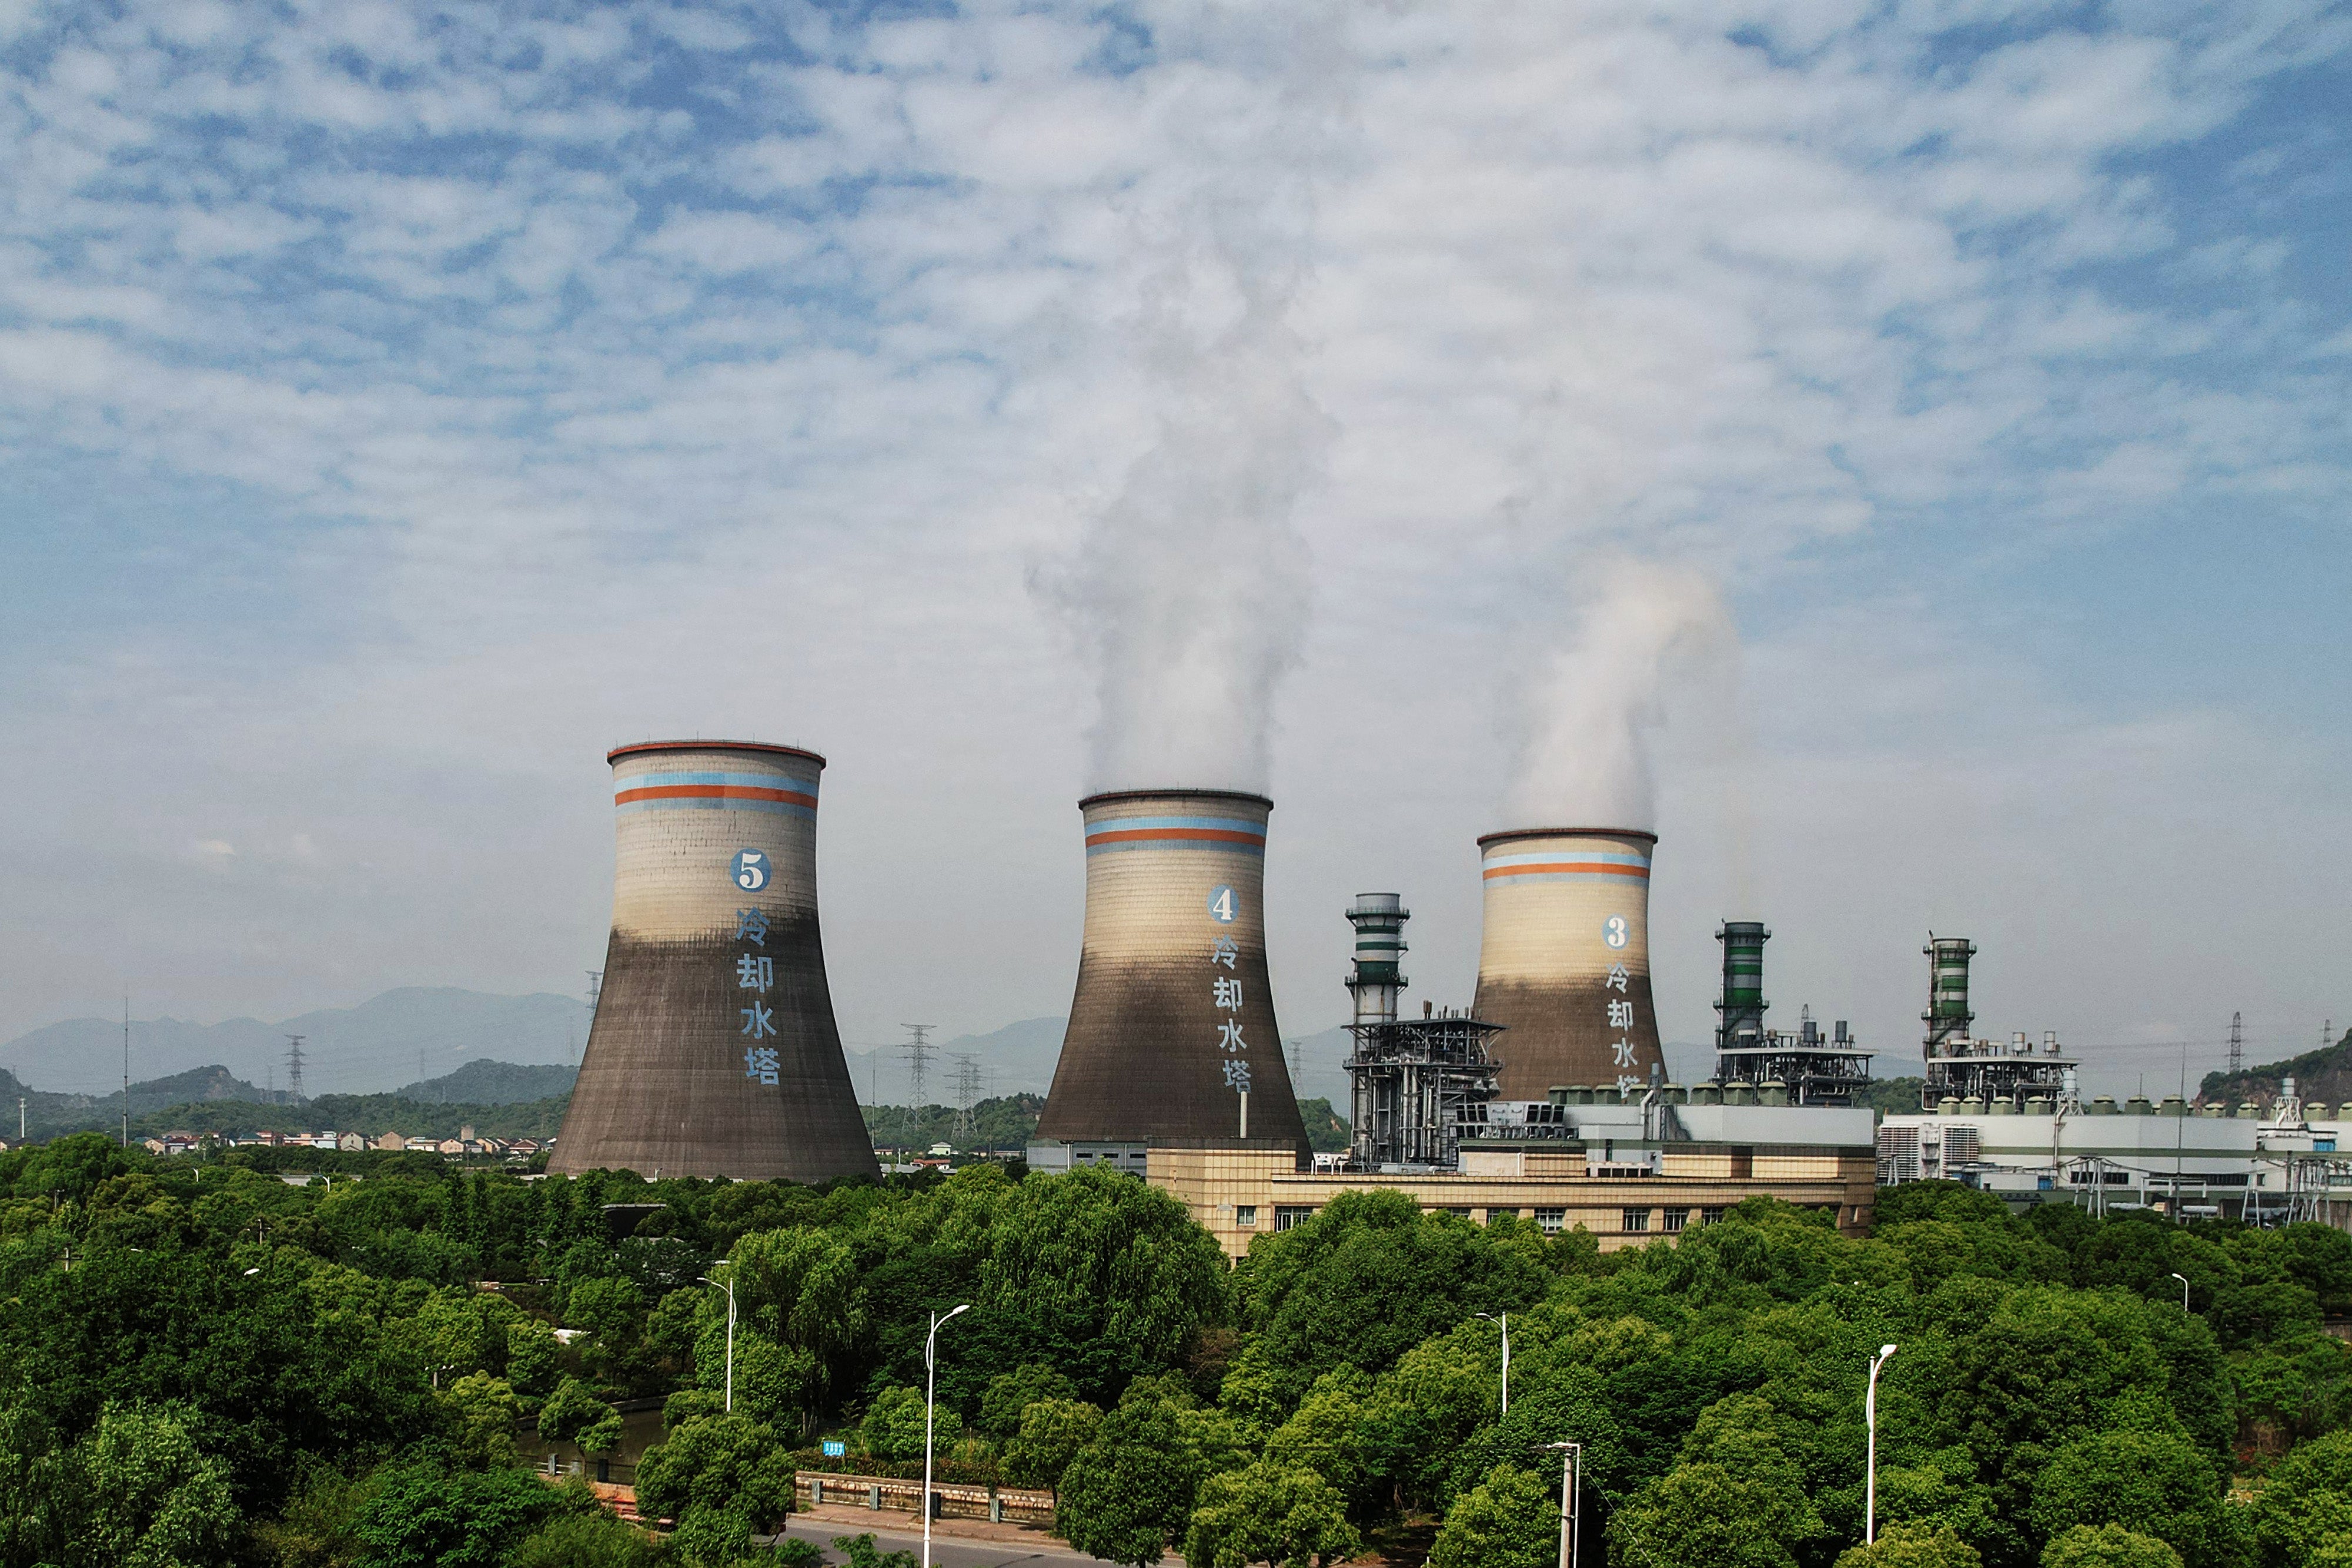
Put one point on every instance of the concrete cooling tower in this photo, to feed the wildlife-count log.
(1172, 1039)
(714, 1051)
(1564, 957)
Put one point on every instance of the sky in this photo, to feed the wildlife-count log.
(1897, 451)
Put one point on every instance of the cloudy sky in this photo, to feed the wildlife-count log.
(1922, 425)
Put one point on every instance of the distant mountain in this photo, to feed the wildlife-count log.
(487, 1083)
(382, 1042)
(45, 1113)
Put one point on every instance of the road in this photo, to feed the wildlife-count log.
(949, 1551)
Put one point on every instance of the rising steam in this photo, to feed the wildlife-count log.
(1190, 590)
(1585, 759)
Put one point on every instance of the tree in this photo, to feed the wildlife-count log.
(894, 1425)
(427, 1517)
(587, 1541)
(1270, 1514)
(569, 1411)
(1912, 1546)
(2106, 1546)
(2154, 1483)
(534, 1360)
(486, 1410)
(142, 1494)
(1507, 1521)
(1052, 1433)
(1012, 1393)
(730, 1463)
(1129, 1493)
(2305, 1508)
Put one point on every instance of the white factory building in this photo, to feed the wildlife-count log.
(2245, 1162)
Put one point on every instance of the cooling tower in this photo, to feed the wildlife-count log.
(713, 1051)
(1564, 957)
(1172, 1037)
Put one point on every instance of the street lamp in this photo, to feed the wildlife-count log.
(1571, 1492)
(2184, 1290)
(1870, 1474)
(930, 1386)
(730, 1288)
(1505, 1320)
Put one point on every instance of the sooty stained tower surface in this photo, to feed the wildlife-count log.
(1172, 1019)
(714, 1051)
(1564, 957)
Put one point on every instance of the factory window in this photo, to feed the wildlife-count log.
(1286, 1216)
(1245, 1216)
(1550, 1220)
(1636, 1219)
(1711, 1215)
(1456, 1213)
(1673, 1219)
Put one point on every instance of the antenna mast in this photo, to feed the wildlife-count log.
(126, 1070)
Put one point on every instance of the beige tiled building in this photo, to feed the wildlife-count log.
(1625, 1193)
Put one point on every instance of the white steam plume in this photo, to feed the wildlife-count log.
(1584, 761)
(1190, 587)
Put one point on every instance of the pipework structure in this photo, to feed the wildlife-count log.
(1564, 957)
(1964, 1071)
(1172, 1039)
(1413, 1085)
(713, 1052)
(1814, 1069)
(1375, 978)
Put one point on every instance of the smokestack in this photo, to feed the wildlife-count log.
(1564, 957)
(1947, 1017)
(1379, 919)
(714, 1051)
(1743, 1002)
(1173, 1022)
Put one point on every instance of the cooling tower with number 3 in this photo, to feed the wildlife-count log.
(714, 1051)
(1564, 957)
(1171, 1038)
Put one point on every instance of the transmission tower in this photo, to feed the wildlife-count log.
(918, 1061)
(966, 1095)
(2237, 1044)
(294, 1067)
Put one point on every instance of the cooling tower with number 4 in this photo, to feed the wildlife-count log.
(714, 1051)
(1172, 1037)
(1564, 957)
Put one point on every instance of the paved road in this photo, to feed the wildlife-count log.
(947, 1551)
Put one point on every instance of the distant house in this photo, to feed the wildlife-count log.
(352, 1142)
(322, 1141)
(453, 1148)
(171, 1144)
(392, 1142)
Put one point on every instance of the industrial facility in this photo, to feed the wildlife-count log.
(1171, 1039)
(2009, 1117)
(713, 1052)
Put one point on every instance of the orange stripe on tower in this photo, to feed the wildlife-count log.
(713, 792)
(1601, 868)
(1211, 834)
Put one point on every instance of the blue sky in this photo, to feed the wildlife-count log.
(1923, 423)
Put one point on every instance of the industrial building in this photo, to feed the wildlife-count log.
(1171, 1038)
(713, 1052)
(1628, 1159)
(2009, 1117)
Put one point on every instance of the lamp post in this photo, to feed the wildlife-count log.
(2184, 1290)
(931, 1386)
(1870, 1474)
(1571, 1493)
(730, 1288)
(1505, 1320)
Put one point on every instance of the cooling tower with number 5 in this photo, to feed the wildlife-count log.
(714, 1051)
(1564, 957)
(1172, 1037)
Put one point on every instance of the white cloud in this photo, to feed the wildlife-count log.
(604, 428)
